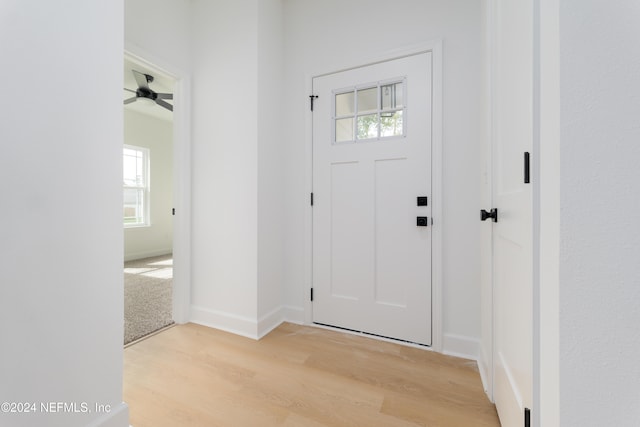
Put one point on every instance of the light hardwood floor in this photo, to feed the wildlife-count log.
(191, 375)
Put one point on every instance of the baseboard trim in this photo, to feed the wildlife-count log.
(270, 321)
(293, 314)
(460, 346)
(117, 417)
(239, 325)
(147, 254)
(246, 326)
(485, 373)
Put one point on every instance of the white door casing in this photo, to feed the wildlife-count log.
(512, 83)
(371, 261)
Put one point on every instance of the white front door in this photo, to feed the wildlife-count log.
(512, 234)
(372, 199)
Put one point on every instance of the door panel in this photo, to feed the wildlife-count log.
(393, 228)
(371, 160)
(350, 241)
(512, 234)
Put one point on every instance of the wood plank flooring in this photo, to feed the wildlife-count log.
(190, 376)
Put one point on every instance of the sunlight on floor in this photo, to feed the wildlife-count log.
(161, 273)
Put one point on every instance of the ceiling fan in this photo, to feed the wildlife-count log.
(145, 93)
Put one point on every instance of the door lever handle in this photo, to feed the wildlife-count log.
(484, 215)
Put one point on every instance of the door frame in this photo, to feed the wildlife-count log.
(181, 299)
(435, 48)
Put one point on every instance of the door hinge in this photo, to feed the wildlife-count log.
(312, 98)
(311, 294)
(311, 199)
(173, 211)
(527, 168)
(527, 417)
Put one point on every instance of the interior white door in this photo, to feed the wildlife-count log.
(371, 233)
(512, 234)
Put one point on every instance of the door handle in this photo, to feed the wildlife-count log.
(484, 215)
(422, 221)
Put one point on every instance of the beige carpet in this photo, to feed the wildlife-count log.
(147, 296)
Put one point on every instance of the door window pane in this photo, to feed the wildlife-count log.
(344, 130)
(344, 104)
(391, 124)
(368, 126)
(391, 96)
(367, 100)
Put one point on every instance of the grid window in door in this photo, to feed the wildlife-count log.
(135, 168)
(369, 112)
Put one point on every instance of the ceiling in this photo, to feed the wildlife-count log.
(161, 84)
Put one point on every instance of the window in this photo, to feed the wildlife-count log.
(135, 162)
(369, 112)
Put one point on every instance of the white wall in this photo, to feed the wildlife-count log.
(324, 36)
(271, 211)
(225, 164)
(161, 28)
(61, 304)
(599, 252)
(155, 134)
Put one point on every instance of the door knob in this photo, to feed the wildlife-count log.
(484, 215)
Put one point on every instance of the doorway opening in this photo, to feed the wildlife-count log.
(147, 200)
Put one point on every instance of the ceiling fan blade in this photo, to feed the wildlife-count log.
(141, 79)
(129, 90)
(130, 100)
(164, 104)
(165, 95)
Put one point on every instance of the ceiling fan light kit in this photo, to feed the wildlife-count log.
(145, 94)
